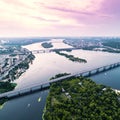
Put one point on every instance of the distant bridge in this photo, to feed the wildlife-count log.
(45, 85)
(47, 50)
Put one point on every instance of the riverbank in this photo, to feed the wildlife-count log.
(52, 64)
(17, 70)
(81, 98)
(7, 83)
(103, 44)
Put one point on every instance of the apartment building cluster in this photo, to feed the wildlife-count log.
(9, 60)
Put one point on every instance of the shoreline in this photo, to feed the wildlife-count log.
(64, 94)
(7, 81)
(116, 91)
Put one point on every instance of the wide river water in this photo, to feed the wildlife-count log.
(47, 65)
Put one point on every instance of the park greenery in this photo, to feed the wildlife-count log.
(47, 45)
(79, 98)
(5, 87)
(71, 57)
(13, 74)
(59, 75)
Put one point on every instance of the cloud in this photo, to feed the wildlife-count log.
(17, 4)
(111, 7)
(43, 19)
(58, 16)
(66, 10)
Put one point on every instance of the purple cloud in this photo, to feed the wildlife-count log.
(111, 7)
(70, 11)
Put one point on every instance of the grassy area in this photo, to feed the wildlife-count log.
(71, 57)
(81, 99)
(5, 87)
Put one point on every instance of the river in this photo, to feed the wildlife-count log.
(47, 65)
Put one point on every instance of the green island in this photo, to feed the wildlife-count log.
(47, 45)
(80, 98)
(59, 75)
(71, 57)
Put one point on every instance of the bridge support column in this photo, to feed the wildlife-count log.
(114, 65)
(80, 75)
(97, 70)
(111, 66)
(104, 69)
(31, 90)
(89, 73)
(117, 64)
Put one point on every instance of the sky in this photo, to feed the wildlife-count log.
(43, 18)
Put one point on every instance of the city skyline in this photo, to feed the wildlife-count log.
(21, 18)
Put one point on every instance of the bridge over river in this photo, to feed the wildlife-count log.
(47, 50)
(45, 85)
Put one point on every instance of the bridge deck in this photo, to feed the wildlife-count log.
(40, 86)
(52, 50)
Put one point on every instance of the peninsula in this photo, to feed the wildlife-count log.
(81, 98)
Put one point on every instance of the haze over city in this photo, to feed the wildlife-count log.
(23, 18)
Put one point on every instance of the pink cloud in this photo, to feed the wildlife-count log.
(81, 16)
(71, 11)
(59, 17)
(43, 19)
(110, 7)
(17, 3)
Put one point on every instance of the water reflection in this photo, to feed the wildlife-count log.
(47, 65)
(25, 108)
(110, 78)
